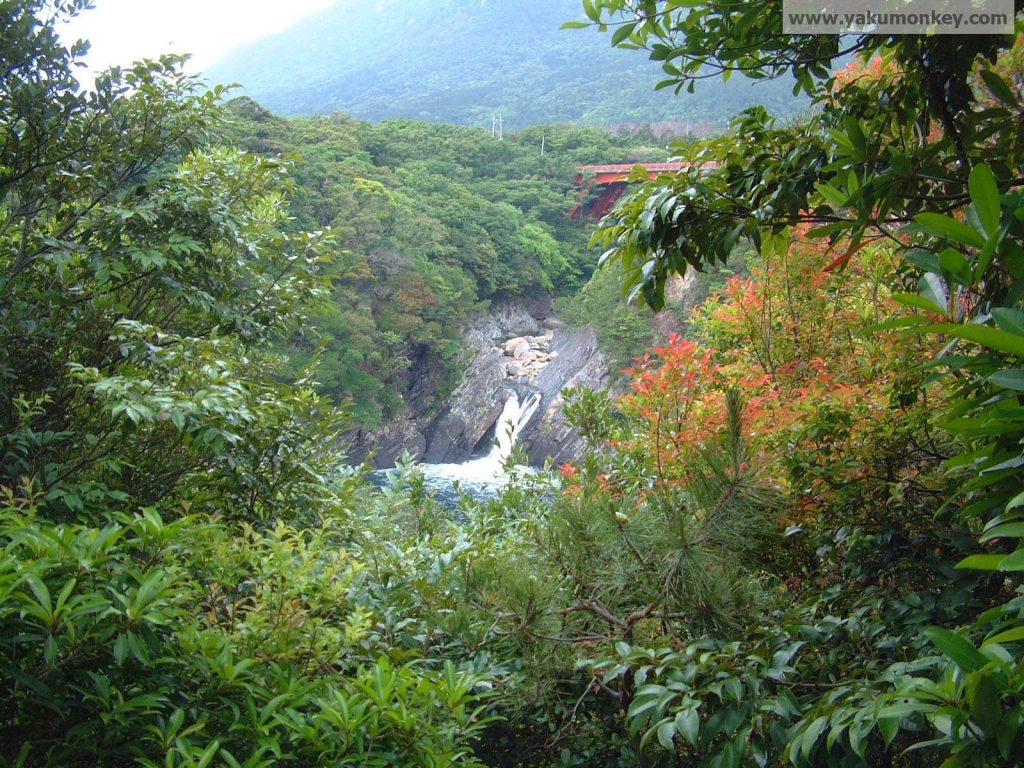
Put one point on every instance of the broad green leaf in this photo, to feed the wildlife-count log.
(858, 736)
(926, 260)
(840, 138)
(915, 300)
(959, 760)
(1009, 636)
(902, 709)
(1009, 731)
(208, 754)
(946, 226)
(623, 32)
(987, 336)
(957, 648)
(832, 195)
(855, 131)
(65, 593)
(50, 650)
(1009, 319)
(651, 689)
(811, 736)
(888, 727)
(121, 649)
(952, 261)
(666, 734)
(984, 701)
(985, 258)
(933, 291)
(985, 197)
(734, 689)
(1012, 257)
(1013, 561)
(640, 707)
(1011, 378)
(688, 725)
(999, 88)
(980, 563)
(1005, 531)
(42, 594)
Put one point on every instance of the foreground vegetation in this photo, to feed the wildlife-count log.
(793, 541)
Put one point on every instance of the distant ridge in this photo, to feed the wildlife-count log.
(462, 62)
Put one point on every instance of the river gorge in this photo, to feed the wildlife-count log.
(520, 360)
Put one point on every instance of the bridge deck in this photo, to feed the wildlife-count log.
(614, 177)
(627, 167)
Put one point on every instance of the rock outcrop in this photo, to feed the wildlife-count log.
(576, 361)
(515, 348)
(529, 355)
(470, 411)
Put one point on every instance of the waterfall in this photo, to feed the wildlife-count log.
(483, 476)
(513, 418)
(487, 472)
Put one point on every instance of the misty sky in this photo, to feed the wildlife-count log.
(122, 31)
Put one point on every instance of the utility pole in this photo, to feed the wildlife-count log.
(542, 137)
(496, 126)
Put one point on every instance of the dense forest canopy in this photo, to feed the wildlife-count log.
(794, 540)
(429, 223)
(459, 62)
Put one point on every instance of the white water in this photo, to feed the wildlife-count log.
(481, 477)
(490, 468)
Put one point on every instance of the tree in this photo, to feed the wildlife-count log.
(880, 146)
(913, 154)
(157, 606)
(143, 276)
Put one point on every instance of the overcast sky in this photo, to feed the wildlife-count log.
(122, 31)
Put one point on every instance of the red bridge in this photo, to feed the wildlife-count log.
(614, 178)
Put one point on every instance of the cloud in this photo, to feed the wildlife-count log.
(123, 31)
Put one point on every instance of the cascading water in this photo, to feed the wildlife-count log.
(483, 476)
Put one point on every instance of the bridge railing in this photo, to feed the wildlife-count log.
(627, 167)
(590, 176)
(621, 171)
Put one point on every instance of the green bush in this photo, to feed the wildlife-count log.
(184, 643)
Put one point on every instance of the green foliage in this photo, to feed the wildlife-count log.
(443, 61)
(889, 135)
(794, 542)
(143, 277)
(154, 607)
(623, 333)
(971, 702)
(928, 119)
(185, 643)
(429, 223)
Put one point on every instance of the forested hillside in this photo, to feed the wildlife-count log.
(794, 541)
(461, 62)
(427, 224)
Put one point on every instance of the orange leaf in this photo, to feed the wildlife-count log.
(843, 260)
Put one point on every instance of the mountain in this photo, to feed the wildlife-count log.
(462, 62)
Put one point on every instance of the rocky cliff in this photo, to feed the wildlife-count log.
(517, 347)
